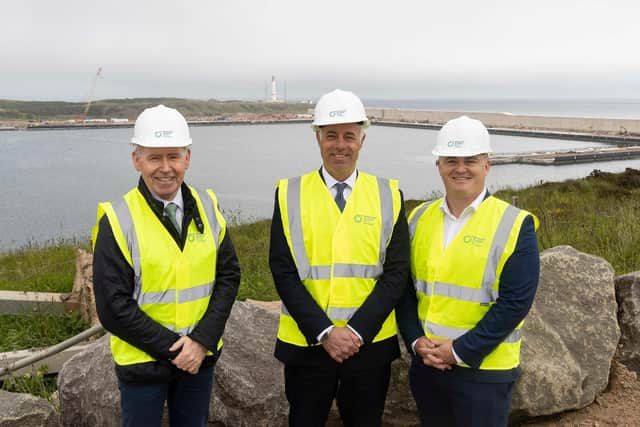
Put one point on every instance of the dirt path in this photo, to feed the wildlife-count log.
(619, 405)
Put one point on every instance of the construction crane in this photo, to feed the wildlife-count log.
(92, 89)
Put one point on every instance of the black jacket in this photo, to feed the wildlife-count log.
(113, 281)
(312, 320)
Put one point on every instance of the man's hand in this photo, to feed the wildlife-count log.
(191, 355)
(435, 353)
(341, 344)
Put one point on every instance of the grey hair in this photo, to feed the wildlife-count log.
(136, 148)
(318, 129)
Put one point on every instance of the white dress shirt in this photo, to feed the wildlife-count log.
(331, 182)
(450, 229)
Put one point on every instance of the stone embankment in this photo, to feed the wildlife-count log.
(505, 121)
(583, 321)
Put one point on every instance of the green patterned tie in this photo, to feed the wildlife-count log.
(170, 211)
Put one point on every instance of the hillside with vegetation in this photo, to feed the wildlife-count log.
(130, 108)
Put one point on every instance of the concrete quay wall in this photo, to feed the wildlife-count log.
(499, 120)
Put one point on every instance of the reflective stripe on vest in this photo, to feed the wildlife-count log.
(485, 295)
(321, 272)
(169, 296)
(454, 291)
(454, 333)
(335, 313)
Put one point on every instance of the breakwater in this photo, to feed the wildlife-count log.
(547, 134)
(510, 122)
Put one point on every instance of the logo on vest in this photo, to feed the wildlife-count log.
(474, 240)
(196, 238)
(364, 219)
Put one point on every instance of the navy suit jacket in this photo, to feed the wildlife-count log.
(518, 285)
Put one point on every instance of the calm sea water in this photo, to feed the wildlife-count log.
(52, 180)
(608, 108)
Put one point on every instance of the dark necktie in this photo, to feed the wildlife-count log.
(170, 211)
(340, 186)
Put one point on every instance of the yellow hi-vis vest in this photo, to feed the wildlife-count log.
(339, 256)
(171, 286)
(456, 286)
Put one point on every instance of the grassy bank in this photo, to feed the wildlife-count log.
(130, 108)
(599, 214)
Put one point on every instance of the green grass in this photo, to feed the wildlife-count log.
(40, 330)
(48, 267)
(131, 107)
(252, 246)
(38, 384)
(599, 215)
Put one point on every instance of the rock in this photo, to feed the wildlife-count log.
(568, 344)
(628, 296)
(248, 388)
(88, 388)
(570, 335)
(249, 381)
(25, 410)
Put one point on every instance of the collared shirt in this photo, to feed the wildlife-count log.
(177, 199)
(451, 227)
(331, 182)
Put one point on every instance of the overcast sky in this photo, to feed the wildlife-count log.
(381, 50)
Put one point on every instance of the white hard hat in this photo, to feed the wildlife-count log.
(339, 106)
(161, 127)
(462, 137)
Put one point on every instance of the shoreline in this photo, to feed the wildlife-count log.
(607, 130)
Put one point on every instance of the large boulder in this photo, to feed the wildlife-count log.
(570, 335)
(88, 388)
(249, 381)
(248, 387)
(628, 296)
(568, 344)
(25, 410)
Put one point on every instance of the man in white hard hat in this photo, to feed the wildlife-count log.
(165, 278)
(475, 268)
(339, 258)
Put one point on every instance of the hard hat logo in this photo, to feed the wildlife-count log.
(455, 144)
(337, 113)
(164, 134)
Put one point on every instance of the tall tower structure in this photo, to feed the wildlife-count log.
(274, 96)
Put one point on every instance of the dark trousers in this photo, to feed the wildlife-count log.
(187, 398)
(445, 398)
(360, 394)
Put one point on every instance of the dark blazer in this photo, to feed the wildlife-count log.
(518, 285)
(312, 319)
(113, 281)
